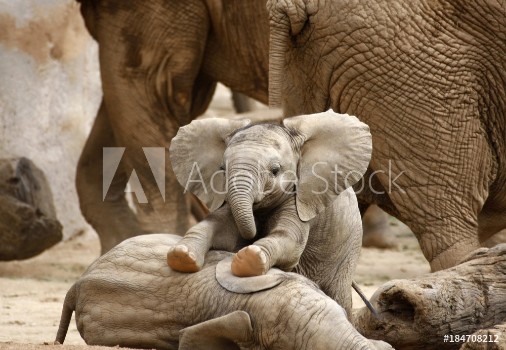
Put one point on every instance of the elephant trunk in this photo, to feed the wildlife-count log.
(240, 199)
(286, 19)
(278, 45)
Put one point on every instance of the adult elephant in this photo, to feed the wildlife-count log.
(428, 77)
(160, 61)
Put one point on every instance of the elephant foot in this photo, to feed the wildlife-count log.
(378, 239)
(376, 232)
(179, 258)
(249, 261)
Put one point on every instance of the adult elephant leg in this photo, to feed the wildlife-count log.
(111, 217)
(375, 225)
(438, 190)
(242, 103)
(150, 57)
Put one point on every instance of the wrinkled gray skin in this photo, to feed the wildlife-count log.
(428, 77)
(313, 226)
(130, 297)
(159, 62)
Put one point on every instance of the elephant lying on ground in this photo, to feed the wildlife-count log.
(288, 187)
(428, 77)
(130, 297)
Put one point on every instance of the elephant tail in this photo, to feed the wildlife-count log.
(364, 299)
(69, 306)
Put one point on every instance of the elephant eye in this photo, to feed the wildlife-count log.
(222, 167)
(275, 170)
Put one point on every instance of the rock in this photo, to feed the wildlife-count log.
(28, 223)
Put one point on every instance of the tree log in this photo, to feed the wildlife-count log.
(418, 313)
(28, 223)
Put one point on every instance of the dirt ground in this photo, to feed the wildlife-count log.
(32, 291)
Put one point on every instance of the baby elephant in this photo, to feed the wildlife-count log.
(289, 186)
(131, 298)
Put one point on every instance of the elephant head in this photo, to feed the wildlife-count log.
(312, 157)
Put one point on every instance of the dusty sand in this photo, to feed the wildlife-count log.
(32, 291)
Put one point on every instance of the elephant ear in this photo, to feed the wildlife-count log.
(225, 332)
(196, 154)
(244, 285)
(334, 156)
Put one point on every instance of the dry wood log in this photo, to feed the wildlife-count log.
(28, 223)
(418, 313)
(488, 339)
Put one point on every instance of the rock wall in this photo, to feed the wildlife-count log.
(49, 93)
